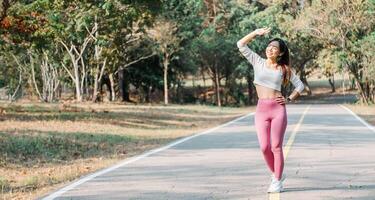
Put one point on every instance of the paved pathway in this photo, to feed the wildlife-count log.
(330, 154)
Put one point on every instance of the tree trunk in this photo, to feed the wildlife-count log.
(179, 92)
(96, 88)
(123, 85)
(331, 81)
(112, 81)
(98, 79)
(165, 65)
(76, 82)
(148, 94)
(87, 91)
(50, 79)
(361, 90)
(304, 81)
(250, 89)
(13, 96)
(367, 89)
(83, 77)
(194, 89)
(372, 91)
(217, 85)
(75, 75)
(34, 79)
(204, 87)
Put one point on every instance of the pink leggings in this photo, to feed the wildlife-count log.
(270, 123)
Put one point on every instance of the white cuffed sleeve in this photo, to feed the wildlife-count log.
(250, 55)
(297, 83)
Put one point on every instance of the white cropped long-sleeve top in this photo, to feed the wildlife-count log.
(265, 76)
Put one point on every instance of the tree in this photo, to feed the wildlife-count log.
(339, 25)
(214, 51)
(125, 28)
(176, 26)
(164, 33)
(328, 61)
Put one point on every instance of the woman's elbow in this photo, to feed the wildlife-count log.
(240, 44)
(300, 88)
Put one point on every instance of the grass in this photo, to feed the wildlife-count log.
(30, 149)
(43, 146)
(4, 184)
(366, 112)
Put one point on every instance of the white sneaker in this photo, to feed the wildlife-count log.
(276, 187)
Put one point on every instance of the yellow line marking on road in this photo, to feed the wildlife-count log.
(276, 196)
(294, 133)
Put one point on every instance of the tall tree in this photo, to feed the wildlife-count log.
(178, 23)
(165, 35)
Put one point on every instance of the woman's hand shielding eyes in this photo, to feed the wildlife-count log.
(262, 31)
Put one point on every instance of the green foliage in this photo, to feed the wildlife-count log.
(341, 38)
(365, 47)
(329, 62)
(146, 74)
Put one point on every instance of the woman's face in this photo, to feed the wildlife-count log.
(273, 50)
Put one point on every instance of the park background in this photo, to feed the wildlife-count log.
(84, 84)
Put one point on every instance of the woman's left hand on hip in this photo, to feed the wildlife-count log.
(281, 100)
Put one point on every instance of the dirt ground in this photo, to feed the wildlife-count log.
(366, 112)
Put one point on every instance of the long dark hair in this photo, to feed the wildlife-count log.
(283, 60)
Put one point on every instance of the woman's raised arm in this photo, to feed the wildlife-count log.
(250, 55)
(260, 31)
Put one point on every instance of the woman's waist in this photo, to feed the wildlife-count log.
(269, 103)
(264, 92)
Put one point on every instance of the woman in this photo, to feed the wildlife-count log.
(270, 114)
